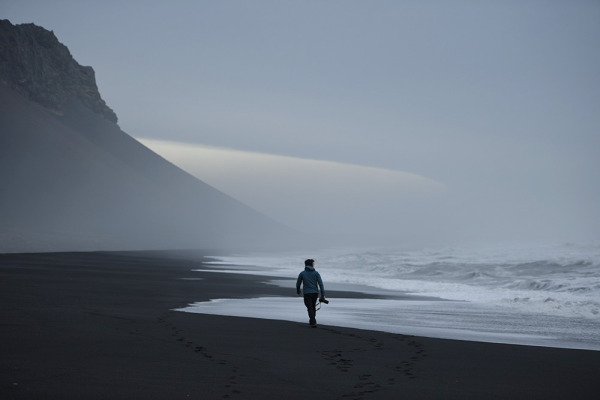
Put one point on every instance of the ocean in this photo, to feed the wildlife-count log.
(529, 295)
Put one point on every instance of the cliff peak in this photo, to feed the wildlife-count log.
(36, 64)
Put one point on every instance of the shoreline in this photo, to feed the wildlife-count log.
(102, 325)
(336, 314)
(365, 307)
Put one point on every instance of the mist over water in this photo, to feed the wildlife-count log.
(361, 205)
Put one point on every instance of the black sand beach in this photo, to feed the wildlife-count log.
(100, 326)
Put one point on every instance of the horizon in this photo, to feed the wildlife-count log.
(438, 123)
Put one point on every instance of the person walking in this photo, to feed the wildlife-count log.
(311, 282)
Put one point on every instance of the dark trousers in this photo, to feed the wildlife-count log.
(310, 301)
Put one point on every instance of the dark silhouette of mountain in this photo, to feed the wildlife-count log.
(36, 64)
(72, 180)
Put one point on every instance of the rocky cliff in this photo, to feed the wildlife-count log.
(36, 64)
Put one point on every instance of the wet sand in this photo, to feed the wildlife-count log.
(101, 326)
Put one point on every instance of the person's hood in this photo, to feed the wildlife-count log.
(309, 268)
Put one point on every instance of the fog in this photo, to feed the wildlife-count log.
(427, 121)
(315, 196)
(386, 206)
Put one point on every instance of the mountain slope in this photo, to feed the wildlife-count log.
(72, 180)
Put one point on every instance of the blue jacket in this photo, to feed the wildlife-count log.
(311, 279)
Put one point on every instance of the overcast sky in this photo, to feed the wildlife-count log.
(442, 120)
